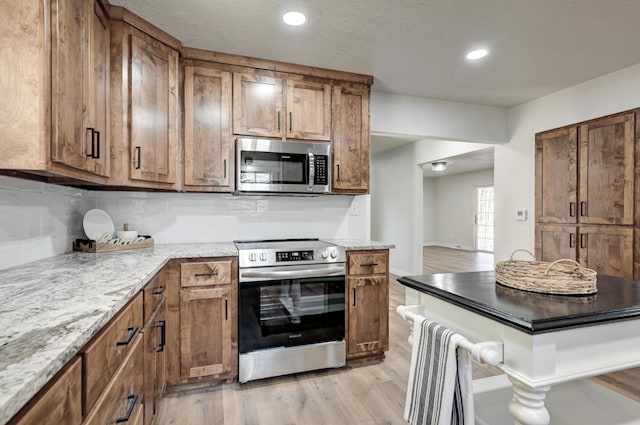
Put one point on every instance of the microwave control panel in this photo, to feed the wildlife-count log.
(321, 170)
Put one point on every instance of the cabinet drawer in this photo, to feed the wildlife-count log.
(106, 352)
(153, 293)
(123, 396)
(366, 263)
(205, 274)
(59, 402)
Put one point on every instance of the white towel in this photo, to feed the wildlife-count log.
(439, 390)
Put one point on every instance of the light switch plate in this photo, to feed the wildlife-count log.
(521, 215)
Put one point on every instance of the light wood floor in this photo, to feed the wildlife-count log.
(365, 395)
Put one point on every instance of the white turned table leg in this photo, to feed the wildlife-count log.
(527, 406)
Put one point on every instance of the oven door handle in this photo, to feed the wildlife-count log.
(334, 271)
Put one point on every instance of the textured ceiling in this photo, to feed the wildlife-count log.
(417, 47)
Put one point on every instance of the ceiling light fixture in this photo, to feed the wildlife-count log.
(438, 166)
(294, 18)
(477, 54)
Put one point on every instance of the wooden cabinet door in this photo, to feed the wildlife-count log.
(258, 105)
(80, 100)
(308, 110)
(97, 90)
(607, 250)
(154, 362)
(59, 402)
(351, 141)
(207, 128)
(607, 161)
(153, 110)
(205, 332)
(368, 315)
(69, 137)
(556, 176)
(554, 242)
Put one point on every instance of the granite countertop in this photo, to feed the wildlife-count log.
(51, 308)
(533, 313)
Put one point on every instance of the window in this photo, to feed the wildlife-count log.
(484, 218)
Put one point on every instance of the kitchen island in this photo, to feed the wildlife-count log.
(548, 339)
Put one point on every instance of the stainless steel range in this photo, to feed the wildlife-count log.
(291, 314)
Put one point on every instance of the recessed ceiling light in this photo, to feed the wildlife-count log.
(477, 54)
(294, 18)
(438, 166)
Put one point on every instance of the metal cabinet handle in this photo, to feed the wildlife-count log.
(572, 209)
(139, 157)
(572, 241)
(132, 332)
(97, 150)
(354, 297)
(134, 400)
(582, 241)
(226, 309)
(159, 290)
(338, 166)
(162, 325)
(290, 121)
(206, 274)
(278, 120)
(224, 165)
(583, 208)
(369, 265)
(93, 133)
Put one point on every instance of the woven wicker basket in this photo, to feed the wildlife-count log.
(562, 277)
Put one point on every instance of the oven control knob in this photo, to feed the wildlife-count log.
(252, 256)
(334, 254)
(325, 254)
(263, 256)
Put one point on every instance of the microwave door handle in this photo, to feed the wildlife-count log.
(312, 170)
(335, 271)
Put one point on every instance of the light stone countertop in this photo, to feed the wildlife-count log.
(51, 308)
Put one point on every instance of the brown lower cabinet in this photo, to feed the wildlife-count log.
(154, 334)
(606, 249)
(123, 397)
(59, 402)
(367, 330)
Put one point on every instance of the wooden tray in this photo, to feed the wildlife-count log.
(88, 245)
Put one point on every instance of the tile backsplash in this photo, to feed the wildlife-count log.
(39, 220)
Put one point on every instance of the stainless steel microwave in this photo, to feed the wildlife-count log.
(274, 166)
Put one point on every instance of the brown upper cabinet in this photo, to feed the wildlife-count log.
(208, 153)
(144, 103)
(602, 153)
(56, 120)
(268, 106)
(351, 140)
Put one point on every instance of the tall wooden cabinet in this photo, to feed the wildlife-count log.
(586, 193)
(208, 148)
(351, 139)
(144, 103)
(367, 330)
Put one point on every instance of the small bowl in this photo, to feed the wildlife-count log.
(127, 234)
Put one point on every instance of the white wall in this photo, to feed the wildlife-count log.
(397, 198)
(455, 209)
(429, 233)
(39, 220)
(515, 161)
(437, 119)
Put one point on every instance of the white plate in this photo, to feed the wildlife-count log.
(96, 223)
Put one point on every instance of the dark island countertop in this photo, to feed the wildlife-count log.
(616, 299)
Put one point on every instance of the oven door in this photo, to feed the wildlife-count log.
(289, 311)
